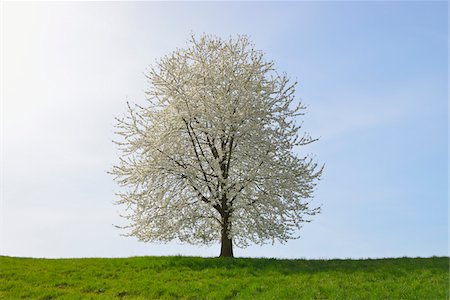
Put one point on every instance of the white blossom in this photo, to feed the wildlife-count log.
(211, 152)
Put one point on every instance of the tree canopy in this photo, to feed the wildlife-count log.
(210, 156)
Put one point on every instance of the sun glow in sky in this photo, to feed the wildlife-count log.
(373, 75)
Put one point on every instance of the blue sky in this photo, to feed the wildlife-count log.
(373, 74)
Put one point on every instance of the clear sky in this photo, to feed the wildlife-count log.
(373, 74)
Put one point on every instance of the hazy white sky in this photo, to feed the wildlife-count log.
(374, 76)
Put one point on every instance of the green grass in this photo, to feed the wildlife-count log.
(215, 278)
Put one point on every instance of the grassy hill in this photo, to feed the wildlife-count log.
(214, 278)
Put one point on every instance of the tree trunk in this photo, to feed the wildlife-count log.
(226, 249)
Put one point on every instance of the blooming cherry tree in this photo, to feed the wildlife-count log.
(210, 156)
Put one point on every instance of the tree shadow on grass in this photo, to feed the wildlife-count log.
(288, 266)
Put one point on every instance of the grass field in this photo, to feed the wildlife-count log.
(215, 278)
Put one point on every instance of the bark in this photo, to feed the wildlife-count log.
(226, 249)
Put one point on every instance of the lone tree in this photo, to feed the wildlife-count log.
(210, 156)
